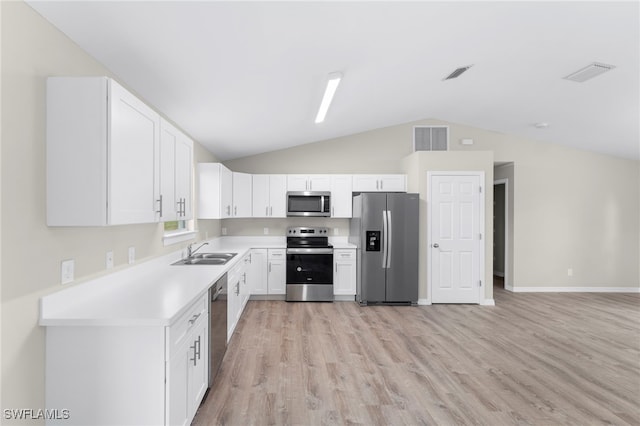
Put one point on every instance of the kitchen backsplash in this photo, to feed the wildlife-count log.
(278, 227)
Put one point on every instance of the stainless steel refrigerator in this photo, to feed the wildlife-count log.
(385, 229)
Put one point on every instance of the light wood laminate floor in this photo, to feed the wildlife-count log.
(537, 358)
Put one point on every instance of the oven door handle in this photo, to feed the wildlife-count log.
(309, 251)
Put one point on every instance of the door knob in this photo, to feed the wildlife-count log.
(436, 245)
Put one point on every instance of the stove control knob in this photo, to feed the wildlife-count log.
(299, 269)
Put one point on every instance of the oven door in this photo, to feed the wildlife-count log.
(310, 266)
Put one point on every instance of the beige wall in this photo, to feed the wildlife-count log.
(571, 208)
(416, 166)
(31, 268)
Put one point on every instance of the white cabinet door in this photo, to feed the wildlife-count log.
(257, 274)
(178, 383)
(168, 140)
(215, 191)
(176, 165)
(198, 374)
(277, 271)
(344, 280)
(297, 183)
(226, 192)
(308, 183)
(241, 195)
(341, 196)
(103, 154)
(134, 155)
(269, 195)
(393, 183)
(184, 177)
(366, 183)
(379, 183)
(260, 196)
(320, 183)
(277, 196)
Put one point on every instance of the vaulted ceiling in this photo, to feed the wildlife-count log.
(248, 77)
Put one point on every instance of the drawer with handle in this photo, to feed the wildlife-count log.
(179, 330)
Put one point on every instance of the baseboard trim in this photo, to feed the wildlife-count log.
(488, 302)
(573, 289)
(424, 302)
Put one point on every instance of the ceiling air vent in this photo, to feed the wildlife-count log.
(588, 72)
(430, 138)
(457, 72)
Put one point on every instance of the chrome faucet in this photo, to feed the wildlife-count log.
(190, 250)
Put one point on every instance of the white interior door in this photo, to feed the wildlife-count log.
(455, 245)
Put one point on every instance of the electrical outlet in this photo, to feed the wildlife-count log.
(132, 254)
(224, 231)
(206, 235)
(266, 231)
(66, 271)
(109, 260)
(570, 272)
(336, 231)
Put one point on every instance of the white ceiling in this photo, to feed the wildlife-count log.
(248, 77)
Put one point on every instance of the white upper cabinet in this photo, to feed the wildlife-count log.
(103, 154)
(341, 196)
(269, 195)
(215, 191)
(379, 183)
(308, 182)
(176, 164)
(241, 195)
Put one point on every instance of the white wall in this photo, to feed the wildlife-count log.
(32, 50)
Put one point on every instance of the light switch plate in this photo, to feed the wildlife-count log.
(224, 231)
(67, 271)
(109, 260)
(132, 254)
(266, 231)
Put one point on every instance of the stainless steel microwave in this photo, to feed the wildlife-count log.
(309, 203)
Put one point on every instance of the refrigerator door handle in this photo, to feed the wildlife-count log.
(389, 238)
(384, 239)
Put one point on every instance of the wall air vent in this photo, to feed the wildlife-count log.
(588, 72)
(430, 138)
(457, 72)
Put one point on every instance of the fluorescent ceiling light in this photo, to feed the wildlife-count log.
(332, 85)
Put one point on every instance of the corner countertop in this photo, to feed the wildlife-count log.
(153, 293)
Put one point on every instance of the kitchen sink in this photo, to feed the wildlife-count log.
(206, 259)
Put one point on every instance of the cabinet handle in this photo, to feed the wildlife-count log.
(266, 211)
(377, 184)
(235, 211)
(194, 318)
(198, 353)
(271, 211)
(160, 203)
(195, 353)
(237, 288)
(184, 207)
(269, 266)
(381, 184)
(228, 210)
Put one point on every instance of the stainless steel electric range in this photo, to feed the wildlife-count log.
(309, 265)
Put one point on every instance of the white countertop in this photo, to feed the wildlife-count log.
(153, 293)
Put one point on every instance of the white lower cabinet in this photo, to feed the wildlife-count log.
(134, 375)
(258, 272)
(277, 272)
(238, 291)
(344, 272)
(189, 370)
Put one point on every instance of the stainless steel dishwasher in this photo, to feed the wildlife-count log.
(217, 326)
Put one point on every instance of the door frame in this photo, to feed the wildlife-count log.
(481, 255)
(505, 182)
